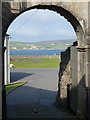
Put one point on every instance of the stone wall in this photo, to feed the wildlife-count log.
(65, 73)
(13, 57)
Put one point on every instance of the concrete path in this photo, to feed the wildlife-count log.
(36, 99)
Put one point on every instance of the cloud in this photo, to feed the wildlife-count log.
(37, 33)
(62, 32)
(41, 25)
(44, 15)
(34, 32)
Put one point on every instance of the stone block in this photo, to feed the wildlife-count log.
(32, 3)
(87, 55)
(74, 79)
(29, 4)
(35, 4)
(46, 2)
(87, 67)
(15, 5)
(54, 3)
(88, 79)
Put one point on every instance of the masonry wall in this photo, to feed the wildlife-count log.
(64, 73)
(68, 75)
(81, 12)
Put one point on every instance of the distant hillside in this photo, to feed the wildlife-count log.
(56, 42)
(53, 44)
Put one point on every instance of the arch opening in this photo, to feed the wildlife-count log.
(63, 12)
(74, 22)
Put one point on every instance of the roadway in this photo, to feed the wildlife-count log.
(36, 99)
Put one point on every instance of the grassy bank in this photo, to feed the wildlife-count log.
(13, 86)
(36, 63)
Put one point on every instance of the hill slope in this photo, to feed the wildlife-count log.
(53, 44)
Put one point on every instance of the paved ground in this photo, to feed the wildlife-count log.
(36, 99)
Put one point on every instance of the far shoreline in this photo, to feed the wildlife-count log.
(38, 49)
(34, 56)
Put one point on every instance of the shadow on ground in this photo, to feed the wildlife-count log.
(15, 76)
(30, 102)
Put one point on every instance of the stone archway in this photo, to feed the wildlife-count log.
(74, 12)
(61, 9)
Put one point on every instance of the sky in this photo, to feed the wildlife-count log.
(40, 25)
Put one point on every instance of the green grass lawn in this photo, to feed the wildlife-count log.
(11, 87)
(37, 63)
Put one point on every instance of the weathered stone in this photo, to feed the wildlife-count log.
(34, 3)
(77, 12)
(64, 73)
